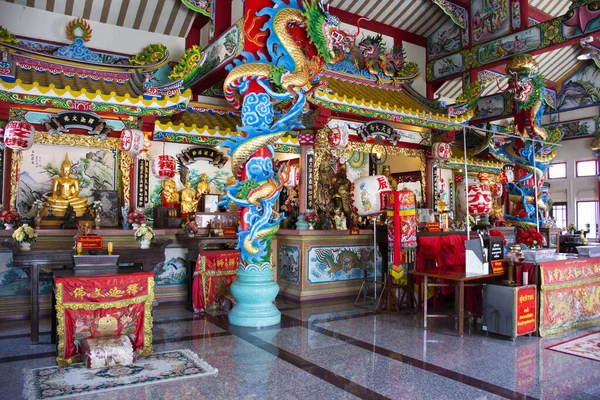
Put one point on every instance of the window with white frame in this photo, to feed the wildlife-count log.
(559, 213)
(586, 168)
(557, 170)
(587, 217)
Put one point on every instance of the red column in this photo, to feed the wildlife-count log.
(222, 20)
(524, 14)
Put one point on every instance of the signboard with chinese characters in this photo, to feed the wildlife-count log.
(63, 120)
(143, 192)
(383, 130)
(189, 156)
(310, 181)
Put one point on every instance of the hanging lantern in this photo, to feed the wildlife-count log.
(19, 135)
(441, 151)
(132, 141)
(338, 137)
(496, 190)
(164, 166)
(369, 195)
(294, 178)
(480, 199)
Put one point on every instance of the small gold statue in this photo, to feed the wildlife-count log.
(231, 181)
(189, 203)
(170, 196)
(65, 191)
(203, 186)
(387, 173)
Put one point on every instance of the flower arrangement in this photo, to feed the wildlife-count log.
(191, 228)
(530, 238)
(25, 234)
(311, 218)
(494, 232)
(144, 233)
(9, 217)
(136, 217)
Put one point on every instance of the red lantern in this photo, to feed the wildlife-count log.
(132, 141)
(369, 195)
(19, 135)
(441, 151)
(164, 166)
(480, 199)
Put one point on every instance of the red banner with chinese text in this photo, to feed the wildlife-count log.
(215, 272)
(103, 305)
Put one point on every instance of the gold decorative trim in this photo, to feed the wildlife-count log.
(17, 159)
(72, 140)
(323, 150)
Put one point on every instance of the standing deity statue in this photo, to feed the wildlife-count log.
(189, 203)
(387, 173)
(65, 192)
(342, 196)
(203, 186)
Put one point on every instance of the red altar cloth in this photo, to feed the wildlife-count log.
(103, 305)
(569, 293)
(215, 272)
(449, 253)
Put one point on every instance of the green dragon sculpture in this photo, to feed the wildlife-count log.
(381, 63)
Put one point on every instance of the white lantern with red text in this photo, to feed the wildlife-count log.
(441, 151)
(164, 166)
(132, 141)
(496, 189)
(294, 178)
(338, 136)
(480, 199)
(370, 195)
(18, 135)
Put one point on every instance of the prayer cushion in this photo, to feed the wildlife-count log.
(104, 351)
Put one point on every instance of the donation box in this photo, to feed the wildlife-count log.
(510, 310)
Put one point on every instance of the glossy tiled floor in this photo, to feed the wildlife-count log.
(334, 350)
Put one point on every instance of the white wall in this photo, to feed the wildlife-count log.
(40, 24)
(573, 189)
(418, 54)
(237, 10)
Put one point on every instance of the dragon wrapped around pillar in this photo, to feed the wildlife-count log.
(272, 90)
(533, 148)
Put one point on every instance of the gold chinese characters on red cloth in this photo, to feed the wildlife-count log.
(214, 274)
(103, 306)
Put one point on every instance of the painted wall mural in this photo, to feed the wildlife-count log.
(489, 19)
(288, 263)
(173, 270)
(580, 89)
(95, 168)
(490, 106)
(520, 42)
(328, 264)
(578, 129)
(444, 40)
(447, 66)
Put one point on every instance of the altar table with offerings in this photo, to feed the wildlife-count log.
(215, 272)
(569, 292)
(103, 305)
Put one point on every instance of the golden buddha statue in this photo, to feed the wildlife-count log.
(189, 203)
(170, 196)
(65, 191)
(203, 186)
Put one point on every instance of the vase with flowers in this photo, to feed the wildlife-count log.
(136, 218)
(530, 238)
(9, 218)
(144, 234)
(191, 229)
(312, 219)
(25, 235)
